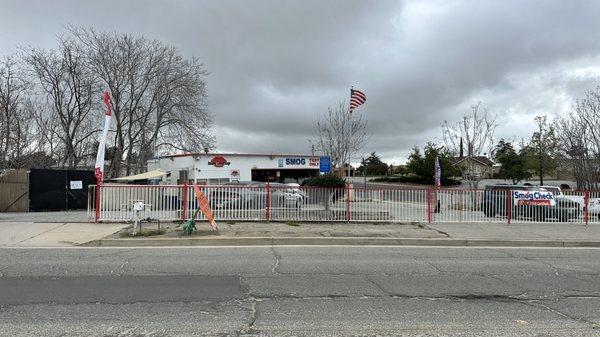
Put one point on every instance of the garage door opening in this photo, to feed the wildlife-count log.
(283, 175)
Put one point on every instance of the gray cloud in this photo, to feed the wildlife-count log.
(276, 66)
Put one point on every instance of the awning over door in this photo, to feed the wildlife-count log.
(142, 176)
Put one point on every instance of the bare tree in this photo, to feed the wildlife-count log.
(47, 126)
(475, 131)
(579, 140)
(340, 134)
(70, 91)
(159, 97)
(175, 116)
(15, 113)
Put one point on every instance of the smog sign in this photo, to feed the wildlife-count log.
(534, 198)
(295, 161)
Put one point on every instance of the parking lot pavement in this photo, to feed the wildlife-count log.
(46, 217)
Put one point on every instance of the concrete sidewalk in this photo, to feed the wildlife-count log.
(441, 234)
(48, 217)
(52, 234)
(56, 234)
(519, 231)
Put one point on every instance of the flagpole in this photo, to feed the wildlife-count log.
(437, 181)
(348, 140)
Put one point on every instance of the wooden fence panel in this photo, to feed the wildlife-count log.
(14, 191)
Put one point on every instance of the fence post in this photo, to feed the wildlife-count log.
(97, 198)
(586, 207)
(508, 207)
(348, 217)
(184, 214)
(268, 203)
(429, 213)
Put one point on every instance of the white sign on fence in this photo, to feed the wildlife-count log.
(545, 198)
(76, 184)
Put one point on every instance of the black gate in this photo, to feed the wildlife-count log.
(59, 190)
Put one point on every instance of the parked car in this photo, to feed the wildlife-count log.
(593, 203)
(287, 195)
(563, 211)
(496, 199)
(253, 195)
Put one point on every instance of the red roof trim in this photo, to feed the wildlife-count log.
(202, 154)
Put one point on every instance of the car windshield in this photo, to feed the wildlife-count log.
(554, 190)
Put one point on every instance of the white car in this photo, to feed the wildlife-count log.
(594, 203)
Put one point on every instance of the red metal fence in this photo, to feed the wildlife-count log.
(284, 203)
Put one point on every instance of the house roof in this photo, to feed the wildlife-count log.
(483, 160)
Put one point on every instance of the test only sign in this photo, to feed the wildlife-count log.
(543, 198)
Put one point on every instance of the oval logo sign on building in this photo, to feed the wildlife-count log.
(218, 161)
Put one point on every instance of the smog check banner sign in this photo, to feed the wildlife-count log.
(534, 198)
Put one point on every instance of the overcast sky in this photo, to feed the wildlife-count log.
(275, 66)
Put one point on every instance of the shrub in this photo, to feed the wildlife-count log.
(329, 180)
(326, 180)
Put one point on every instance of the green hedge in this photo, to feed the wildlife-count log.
(325, 180)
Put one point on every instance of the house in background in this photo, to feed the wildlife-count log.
(482, 166)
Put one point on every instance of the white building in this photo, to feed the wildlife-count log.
(218, 168)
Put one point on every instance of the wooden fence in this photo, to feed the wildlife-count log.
(14, 191)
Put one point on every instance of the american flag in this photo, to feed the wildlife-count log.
(438, 172)
(356, 98)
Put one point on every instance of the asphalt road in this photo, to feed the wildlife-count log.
(299, 291)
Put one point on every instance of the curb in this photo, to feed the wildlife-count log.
(333, 241)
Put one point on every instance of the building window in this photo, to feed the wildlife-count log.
(216, 181)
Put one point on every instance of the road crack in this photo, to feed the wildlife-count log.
(531, 259)
(376, 285)
(536, 303)
(248, 328)
(277, 261)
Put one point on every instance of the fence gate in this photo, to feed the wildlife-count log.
(14, 191)
(59, 190)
